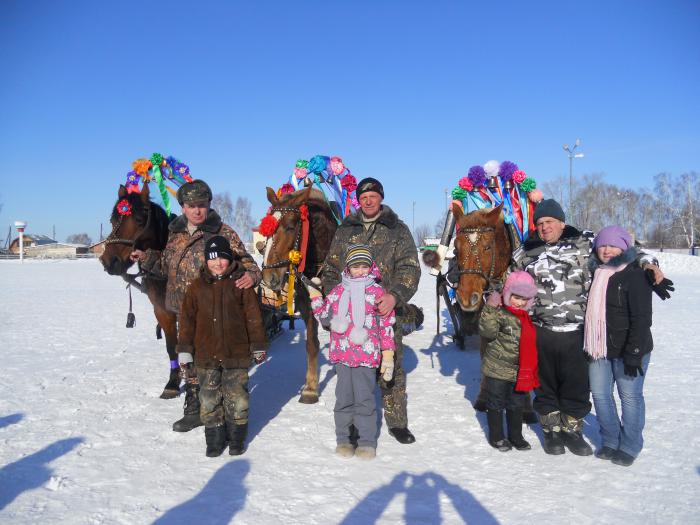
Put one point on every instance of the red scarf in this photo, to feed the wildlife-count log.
(527, 370)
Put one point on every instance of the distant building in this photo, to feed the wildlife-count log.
(56, 250)
(30, 240)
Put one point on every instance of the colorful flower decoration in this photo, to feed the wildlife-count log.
(295, 256)
(459, 194)
(124, 207)
(535, 196)
(337, 166)
(477, 176)
(317, 164)
(519, 176)
(506, 170)
(349, 183)
(141, 166)
(156, 159)
(355, 203)
(528, 185)
(286, 188)
(466, 184)
(300, 171)
(268, 225)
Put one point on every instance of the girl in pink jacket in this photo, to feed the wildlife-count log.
(361, 342)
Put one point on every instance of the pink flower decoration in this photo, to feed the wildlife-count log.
(535, 196)
(466, 184)
(354, 202)
(519, 176)
(286, 188)
(300, 173)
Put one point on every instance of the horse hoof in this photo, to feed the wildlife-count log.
(169, 393)
(308, 399)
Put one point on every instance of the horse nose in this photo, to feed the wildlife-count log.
(114, 267)
(274, 282)
(474, 299)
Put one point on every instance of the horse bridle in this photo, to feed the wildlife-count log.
(472, 249)
(297, 240)
(112, 239)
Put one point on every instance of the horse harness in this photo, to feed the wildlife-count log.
(472, 236)
(112, 239)
(297, 239)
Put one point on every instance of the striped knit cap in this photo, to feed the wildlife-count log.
(358, 254)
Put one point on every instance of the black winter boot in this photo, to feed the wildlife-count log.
(496, 439)
(514, 418)
(529, 415)
(402, 435)
(573, 437)
(236, 438)
(551, 428)
(191, 418)
(216, 440)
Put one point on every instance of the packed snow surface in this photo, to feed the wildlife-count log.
(84, 438)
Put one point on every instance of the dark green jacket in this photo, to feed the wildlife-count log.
(393, 249)
(502, 355)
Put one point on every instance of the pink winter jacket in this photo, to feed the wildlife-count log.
(342, 349)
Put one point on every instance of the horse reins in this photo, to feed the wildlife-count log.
(297, 239)
(473, 250)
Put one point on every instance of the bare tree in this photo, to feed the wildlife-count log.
(677, 197)
(242, 218)
(223, 206)
(421, 232)
(79, 238)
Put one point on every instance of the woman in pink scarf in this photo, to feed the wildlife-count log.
(617, 337)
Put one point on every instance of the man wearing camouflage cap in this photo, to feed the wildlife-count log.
(182, 259)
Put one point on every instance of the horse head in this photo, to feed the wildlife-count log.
(136, 223)
(483, 252)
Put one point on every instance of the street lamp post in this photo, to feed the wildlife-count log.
(570, 153)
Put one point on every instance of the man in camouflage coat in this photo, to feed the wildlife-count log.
(181, 261)
(557, 258)
(395, 253)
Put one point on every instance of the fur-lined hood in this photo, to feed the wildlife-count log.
(211, 225)
(387, 217)
(534, 241)
(626, 257)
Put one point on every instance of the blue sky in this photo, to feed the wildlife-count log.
(412, 93)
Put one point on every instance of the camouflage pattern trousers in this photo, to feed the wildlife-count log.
(223, 396)
(394, 396)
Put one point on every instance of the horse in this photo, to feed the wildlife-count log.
(139, 223)
(290, 211)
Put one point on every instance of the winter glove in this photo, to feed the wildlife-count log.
(313, 287)
(387, 367)
(494, 299)
(259, 356)
(633, 365)
(663, 289)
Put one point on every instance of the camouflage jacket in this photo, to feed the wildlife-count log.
(502, 354)
(393, 249)
(183, 257)
(562, 275)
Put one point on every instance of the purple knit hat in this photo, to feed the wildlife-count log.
(613, 236)
(522, 284)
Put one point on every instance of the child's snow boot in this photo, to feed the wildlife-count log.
(496, 439)
(216, 440)
(514, 418)
(191, 418)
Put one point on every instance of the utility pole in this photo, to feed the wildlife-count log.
(570, 153)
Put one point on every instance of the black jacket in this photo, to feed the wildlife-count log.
(627, 309)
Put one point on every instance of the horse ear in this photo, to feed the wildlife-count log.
(272, 196)
(122, 191)
(145, 194)
(495, 213)
(457, 211)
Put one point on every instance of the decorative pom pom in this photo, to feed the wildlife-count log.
(268, 225)
(156, 159)
(466, 184)
(339, 326)
(300, 173)
(535, 196)
(477, 176)
(506, 170)
(519, 176)
(459, 194)
(302, 163)
(349, 183)
(528, 185)
(431, 258)
(123, 207)
(141, 166)
(491, 167)
(355, 203)
(286, 188)
(317, 164)
(358, 335)
(295, 256)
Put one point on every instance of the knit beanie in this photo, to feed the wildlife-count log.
(549, 208)
(358, 254)
(369, 184)
(522, 284)
(613, 236)
(218, 246)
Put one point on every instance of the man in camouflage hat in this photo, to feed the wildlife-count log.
(395, 253)
(557, 258)
(182, 260)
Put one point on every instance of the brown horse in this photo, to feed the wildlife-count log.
(287, 237)
(139, 223)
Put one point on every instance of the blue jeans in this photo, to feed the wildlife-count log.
(625, 435)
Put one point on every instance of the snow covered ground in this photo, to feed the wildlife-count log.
(84, 438)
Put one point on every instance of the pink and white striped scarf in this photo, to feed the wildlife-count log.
(595, 327)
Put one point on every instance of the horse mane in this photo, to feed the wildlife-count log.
(160, 219)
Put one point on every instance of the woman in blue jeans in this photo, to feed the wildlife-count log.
(617, 337)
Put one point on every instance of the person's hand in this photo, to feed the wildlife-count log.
(494, 299)
(137, 256)
(654, 273)
(246, 281)
(662, 289)
(313, 287)
(633, 370)
(259, 356)
(187, 371)
(387, 367)
(386, 304)
(633, 365)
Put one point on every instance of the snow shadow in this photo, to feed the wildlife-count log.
(280, 379)
(222, 497)
(12, 419)
(32, 472)
(422, 501)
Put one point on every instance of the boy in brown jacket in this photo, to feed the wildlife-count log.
(221, 326)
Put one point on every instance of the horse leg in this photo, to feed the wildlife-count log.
(480, 403)
(309, 394)
(168, 323)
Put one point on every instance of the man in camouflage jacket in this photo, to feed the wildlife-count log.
(181, 261)
(395, 253)
(557, 258)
